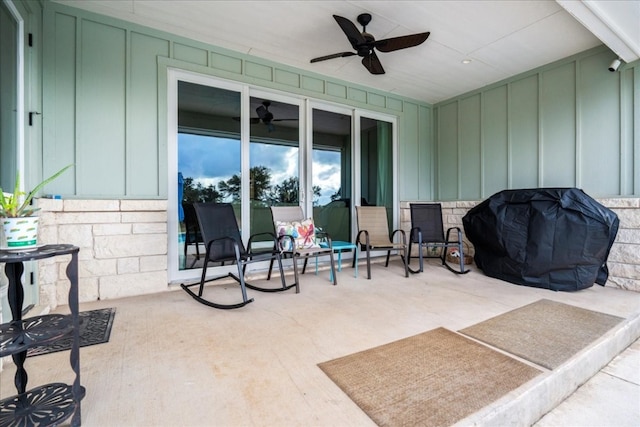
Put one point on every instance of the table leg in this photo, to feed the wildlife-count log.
(15, 295)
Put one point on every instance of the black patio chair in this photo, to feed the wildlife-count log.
(373, 234)
(223, 244)
(427, 231)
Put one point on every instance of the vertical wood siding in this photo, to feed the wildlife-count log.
(571, 123)
(105, 97)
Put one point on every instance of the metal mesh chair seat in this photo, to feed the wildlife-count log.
(427, 231)
(223, 244)
(295, 213)
(373, 234)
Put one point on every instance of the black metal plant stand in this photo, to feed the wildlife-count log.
(49, 404)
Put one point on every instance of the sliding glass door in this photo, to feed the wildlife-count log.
(209, 162)
(377, 165)
(331, 171)
(274, 158)
(230, 143)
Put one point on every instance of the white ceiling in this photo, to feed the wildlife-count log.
(502, 38)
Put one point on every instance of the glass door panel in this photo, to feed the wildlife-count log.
(8, 98)
(331, 173)
(274, 160)
(376, 165)
(209, 160)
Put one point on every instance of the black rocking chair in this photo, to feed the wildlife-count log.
(223, 244)
(427, 231)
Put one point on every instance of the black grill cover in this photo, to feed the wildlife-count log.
(552, 238)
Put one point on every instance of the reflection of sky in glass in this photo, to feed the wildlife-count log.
(209, 160)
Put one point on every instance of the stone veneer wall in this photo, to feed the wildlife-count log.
(123, 245)
(123, 248)
(624, 258)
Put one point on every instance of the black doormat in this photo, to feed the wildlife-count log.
(95, 328)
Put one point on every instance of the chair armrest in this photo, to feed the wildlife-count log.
(402, 233)
(281, 245)
(366, 237)
(324, 236)
(418, 232)
(449, 232)
(266, 233)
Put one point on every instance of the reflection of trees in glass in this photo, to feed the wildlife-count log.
(196, 192)
(260, 178)
(287, 192)
(261, 189)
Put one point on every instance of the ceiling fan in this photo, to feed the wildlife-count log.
(265, 116)
(364, 43)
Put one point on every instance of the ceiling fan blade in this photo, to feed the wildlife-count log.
(402, 42)
(335, 55)
(284, 120)
(262, 112)
(351, 31)
(372, 63)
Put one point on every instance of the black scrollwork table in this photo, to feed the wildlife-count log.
(53, 403)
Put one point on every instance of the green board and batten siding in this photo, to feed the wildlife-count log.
(105, 97)
(568, 124)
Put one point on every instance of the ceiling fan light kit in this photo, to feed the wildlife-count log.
(364, 43)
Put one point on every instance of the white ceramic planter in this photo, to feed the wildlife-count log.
(21, 233)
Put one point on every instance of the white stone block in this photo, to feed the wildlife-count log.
(624, 253)
(629, 235)
(143, 205)
(74, 205)
(623, 283)
(629, 218)
(620, 202)
(47, 273)
(89, 218)
(111, 229)
(128, 265)
(48, 204)
(138, 217)
(153, 263)
(62, 292)
(88, 289)
(150, 228)
(80, 235)
(126, 285)
(627, 271)
(47, 235)
(97, 267)
(130, 245)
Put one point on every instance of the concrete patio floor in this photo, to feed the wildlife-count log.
(171, 361)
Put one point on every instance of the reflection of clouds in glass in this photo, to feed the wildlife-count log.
(326, 173)
(282, 161)
(207, 158)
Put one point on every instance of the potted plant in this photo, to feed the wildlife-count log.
(16, 213)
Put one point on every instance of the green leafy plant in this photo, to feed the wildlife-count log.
(17, 204)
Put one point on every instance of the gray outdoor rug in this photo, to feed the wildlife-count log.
(547, 333)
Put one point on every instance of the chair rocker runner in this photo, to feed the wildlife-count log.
(223, 244)
(373, 234)
(427, 231)
(297, 239)
(192, 232)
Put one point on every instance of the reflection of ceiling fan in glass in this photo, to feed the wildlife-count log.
(265, 116)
